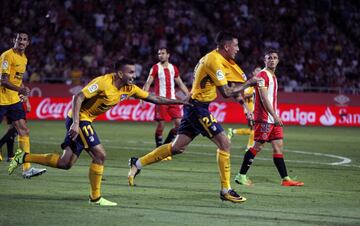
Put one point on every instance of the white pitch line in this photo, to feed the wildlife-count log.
(344, 160)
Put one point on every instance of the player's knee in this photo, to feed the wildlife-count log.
(23, 131)
(175, 150)
(100, 157)
(225, 145)
(257, 148)
(64, 165)
(67, 166)
(278, 150)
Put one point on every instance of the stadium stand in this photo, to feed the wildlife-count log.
(72, 41)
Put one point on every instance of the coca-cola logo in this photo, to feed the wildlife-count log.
(218, 110)
(130, 111)
(47, 109)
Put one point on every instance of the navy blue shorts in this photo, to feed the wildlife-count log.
(13, 112)
(87, 137)
(198, 119)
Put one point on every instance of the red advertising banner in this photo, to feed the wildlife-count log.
(62, 90)
(227, 112)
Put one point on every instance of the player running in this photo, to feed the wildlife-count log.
(210, 75)
(97, 97)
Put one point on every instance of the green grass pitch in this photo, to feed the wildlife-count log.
(185, 191)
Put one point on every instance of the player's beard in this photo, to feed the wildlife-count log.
(130, 81)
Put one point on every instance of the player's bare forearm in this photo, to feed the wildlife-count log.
(184, 89)
(7, 84)
(266, 103)
(148, 83)
(251, 82)
(248, 96)
(76, 105)
(234, 91)
(163, 101)
(182, 86)
(226, 91)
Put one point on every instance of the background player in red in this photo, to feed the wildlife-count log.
(165, 75)
(268, 126)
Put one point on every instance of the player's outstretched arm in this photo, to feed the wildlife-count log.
(251, 82)
(227, 91)
(164, 101)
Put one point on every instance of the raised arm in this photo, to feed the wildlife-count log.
(162, 100)
(227, 91)
(251, 82)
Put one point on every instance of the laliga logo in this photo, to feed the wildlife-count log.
(302, 117)
(328, 119)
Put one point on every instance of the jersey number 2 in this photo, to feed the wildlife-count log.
(209, 120)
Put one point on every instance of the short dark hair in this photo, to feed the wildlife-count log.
(21, 32)
(164, 47)
(269, 51)
(122, 62)
(224, 36)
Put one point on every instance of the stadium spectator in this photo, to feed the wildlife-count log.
(303, 30)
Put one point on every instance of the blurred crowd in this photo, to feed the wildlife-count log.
(314, 51)
(74, 41)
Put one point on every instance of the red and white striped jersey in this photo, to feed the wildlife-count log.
(164, 79)
(268, 80)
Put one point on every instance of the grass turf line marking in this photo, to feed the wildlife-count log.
(344, 160)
